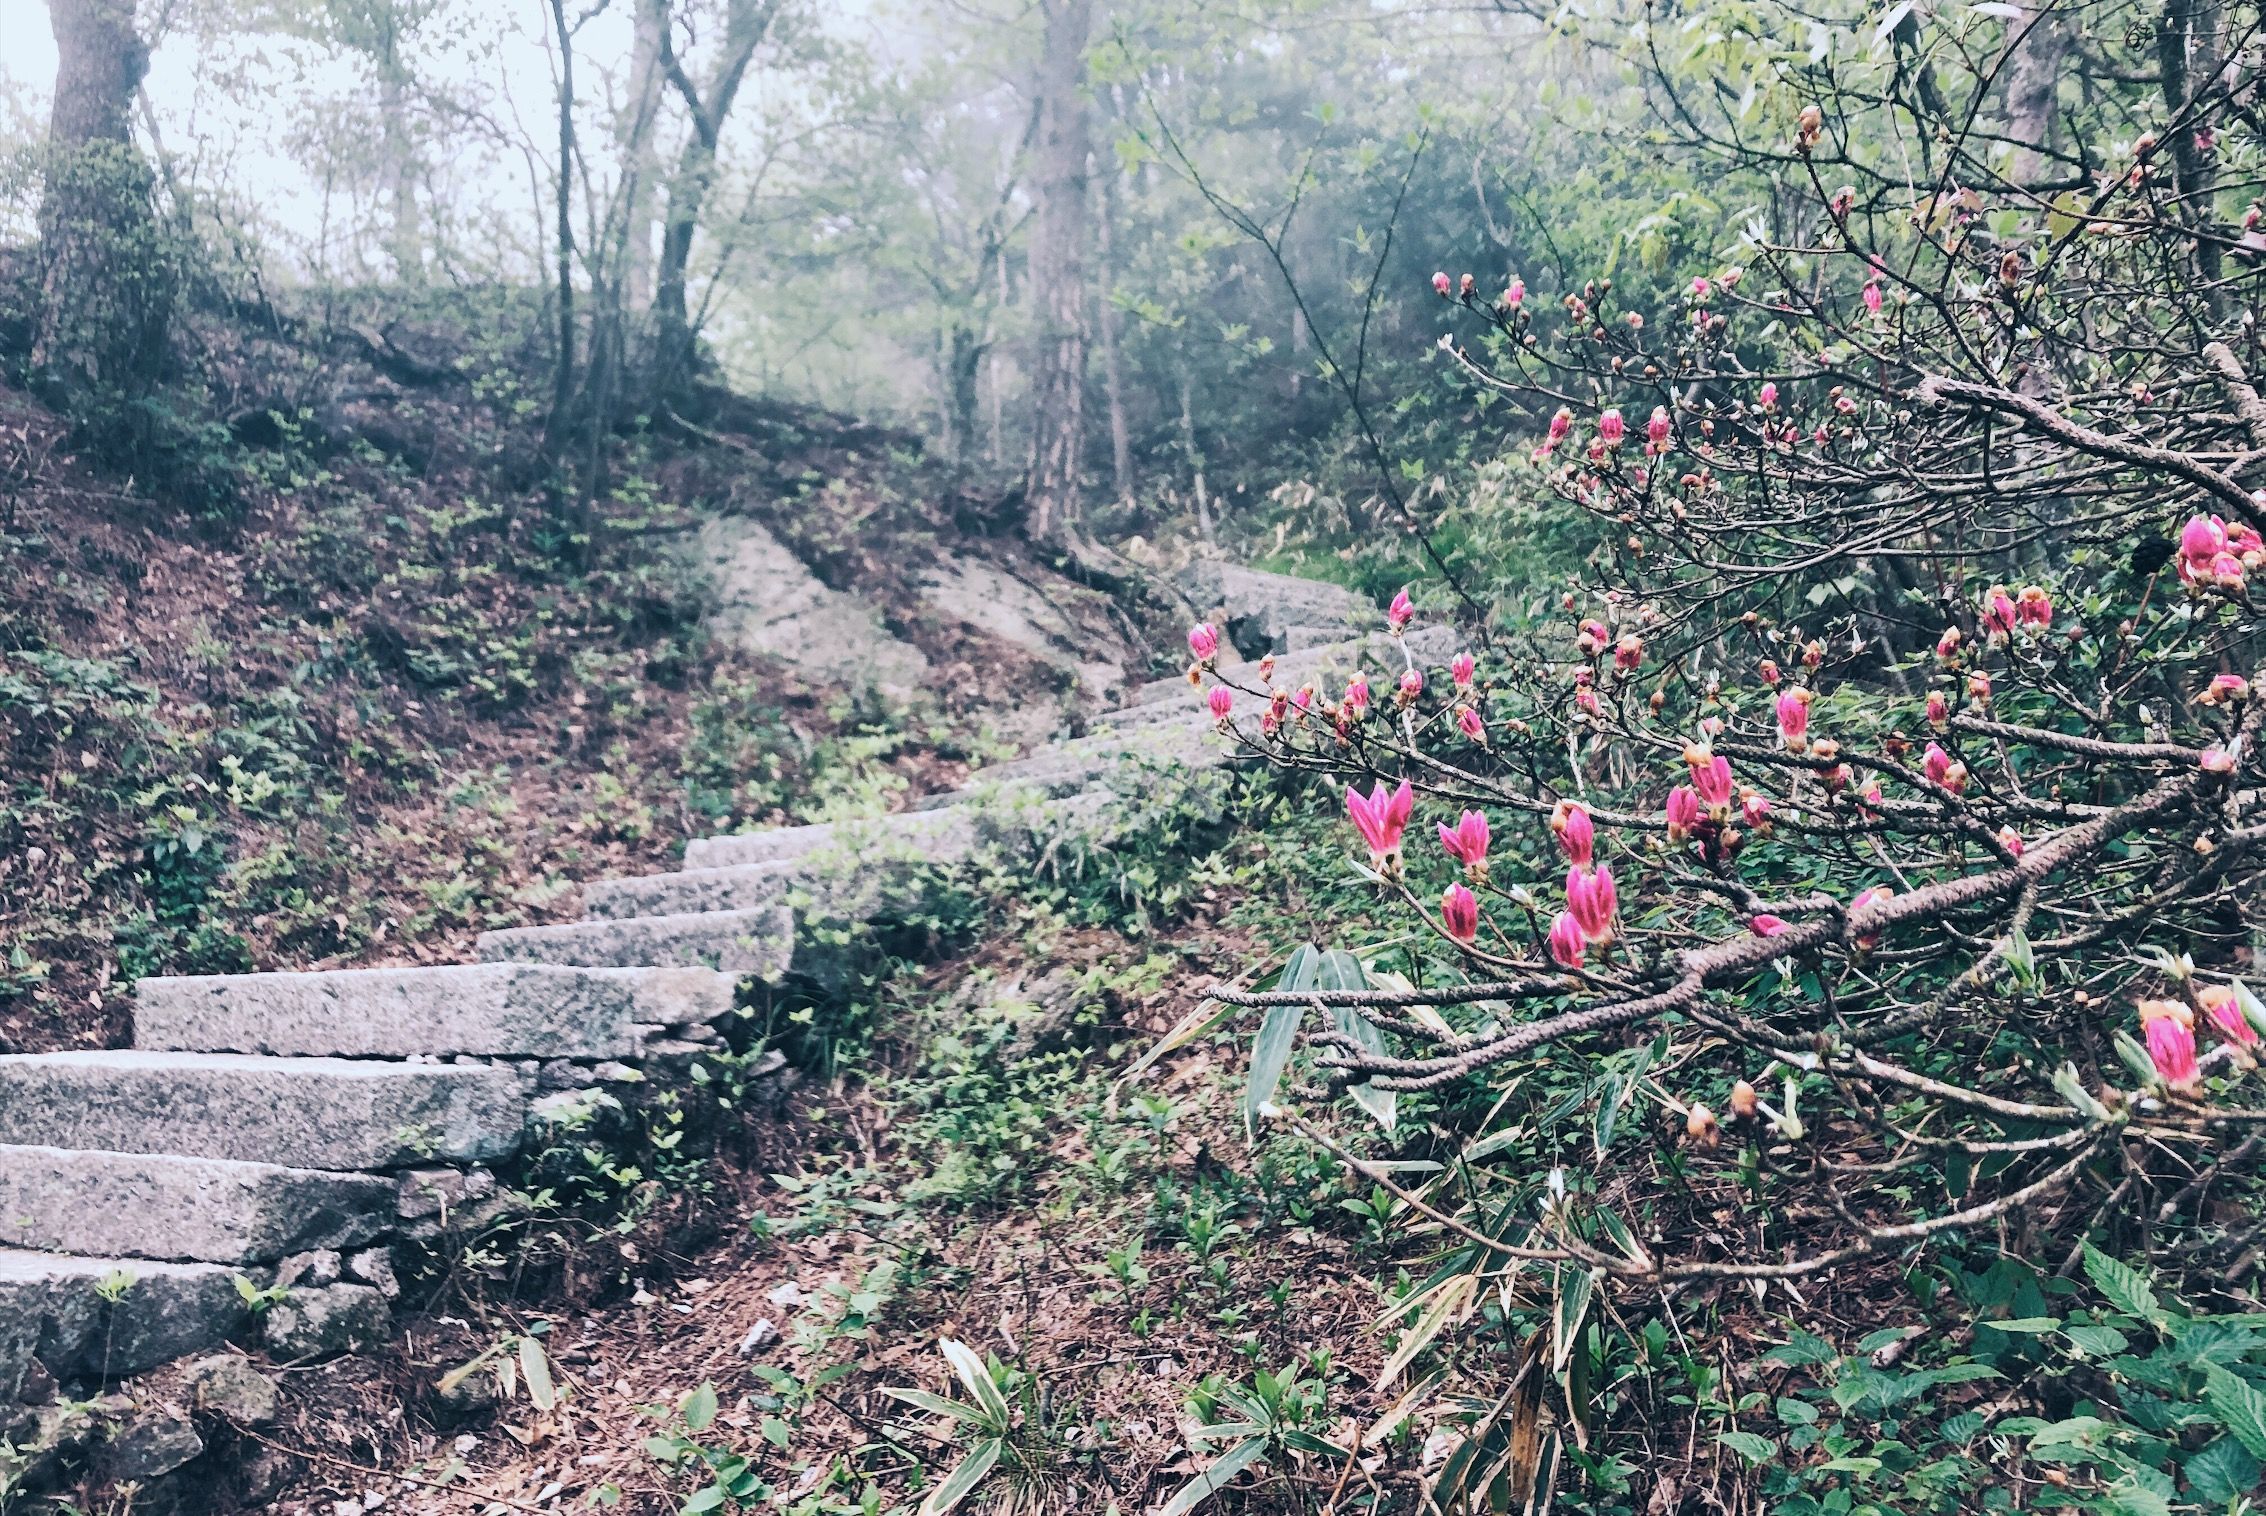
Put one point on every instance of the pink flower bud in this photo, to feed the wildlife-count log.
(1754, 809)
(1592, 637)
(1203, 641)
(2217, 760)
(2034, 607)
(1411, 686)
(2203, 538)
(1657, 429)
(1576, 833)
(1705, 1132)
(1866, 899)
(1468, 723)
(1585, 701)
(1465, 286)
(1766, 925)
(2170, 1030)
(1357, 696)
(1942, 770)
(2225, 1014)
(1768, 668)
(1767, 396)
(1872, 297)
(2010, 839)
(1459, 914)
(1998, 612)
(1398, 613)
(2225, 689)
(1514, 294)
(1561, 422)
(1592, 899)
(1566, 943)
(1701, 289)
(1461, 669)
(1611, 428)
(1222, 700)
(1939, 709)
(1267, 669)
(1684, 813)
(1440, 284)
(2227, 572)
(1628, 653)
(1711, 777)
(1794, 720)
(1947, 646)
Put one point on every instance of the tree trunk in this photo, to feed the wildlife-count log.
(641, 161)
(744, 29)
(1058, 279)
(1113, 378)
(405, 235)
(106, 278)
(2040, 42)
(557, 429)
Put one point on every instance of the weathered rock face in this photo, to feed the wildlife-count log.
(763, 599)
(760, 941)
(1056, 624)
(85, 1318)
(326, 1321)
(212, 1210)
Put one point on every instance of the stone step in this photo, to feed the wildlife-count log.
(760, 942)
(848, 890)
(522, 1010)
(941, 835)
(207, 1210)
(1195, 743)
(310, 1113)
(55, 1308)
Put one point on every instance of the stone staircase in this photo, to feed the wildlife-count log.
(297, 1128)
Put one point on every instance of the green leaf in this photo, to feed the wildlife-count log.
(977, 1378)
(706, 1498)
(1270, 1051)
(1342, 971)
(2222, 1471)
(1756, 1450)
(962, 1481)
(2124, 1285)
(2097, 1341)
(1575, 1287)
(541, 1389)
(2030, 1326)
(935, 1405)
(1224, 1468)
(699, 1408)
(2137, 1500)
(2240, 1407)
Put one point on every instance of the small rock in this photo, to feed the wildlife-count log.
(460, 1397)
(307, 1271)
(155, 1445)
(427, 1191)
(340, 1318)
(611, 1072)
(374, 1267)
(787, 1296)
(226, 1385)
(758, 1336)
(37, 1386)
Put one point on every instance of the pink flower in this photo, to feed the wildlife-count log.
(2217, 760)
(2034, 607)
(1440, 284)
(1768, 668)
(2227, 571)
(1766, 925)
(1711, 777)
(1754, 809)
(1576, 833)
(1866, 898)
(1585, 701)
(1592, 899)
(1998, 612)
(1467, 841)
(1566, 944)
(2170, 1029)
(1794, 720)
(1514, 294)
(1979, 688)
(2010, 839)
(1398, 613)
(1380, 819)
(1939, 709)
(2203, 538)
(1943, 770)
(1461, 669)
(1657, 429)
(1592, 637)
(1684, 813)
(1459, 914)
(1872, 296)
(1700, 287)
(2224, 689)
(1628, 653)
(1468, 723)
(1203, 641)
(1222, 701)
(1561, 422)
(1304, 699)
(1357, 695)
(1411, 686)
(1767, 396)
(1611, 428)
(2225, 1013)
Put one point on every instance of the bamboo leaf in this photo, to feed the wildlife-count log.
(1224, 1468)
(962, 1481)
(977, 1378)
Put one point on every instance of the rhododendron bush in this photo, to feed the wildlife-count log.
(1870, 838)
